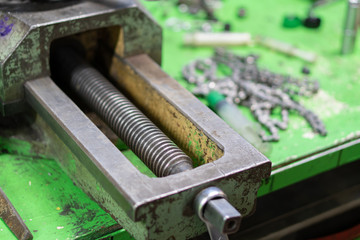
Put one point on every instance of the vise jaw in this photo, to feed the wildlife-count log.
(126, 42)
(28, 29)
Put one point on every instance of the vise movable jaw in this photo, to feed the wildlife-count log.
(121, 36)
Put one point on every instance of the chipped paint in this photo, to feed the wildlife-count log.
(5, 26)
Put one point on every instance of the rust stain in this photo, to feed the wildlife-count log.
(178, 127)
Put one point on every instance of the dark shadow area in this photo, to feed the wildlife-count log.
(20, 126)
(35, 5)
(46, 5)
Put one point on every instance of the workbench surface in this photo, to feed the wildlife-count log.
(300, 153)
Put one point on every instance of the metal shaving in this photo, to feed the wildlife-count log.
(260, 90)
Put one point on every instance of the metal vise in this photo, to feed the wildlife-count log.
(125, 42)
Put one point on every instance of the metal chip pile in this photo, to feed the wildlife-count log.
(260, 90)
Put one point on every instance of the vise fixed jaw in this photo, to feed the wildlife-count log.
(128, 43)
(29, 28)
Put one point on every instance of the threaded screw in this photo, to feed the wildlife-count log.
(146, 140)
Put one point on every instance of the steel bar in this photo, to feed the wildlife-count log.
(351, 25)
(12, 219)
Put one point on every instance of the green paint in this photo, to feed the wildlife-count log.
(87, 177)
(190, 143)
(15, 146)
(350, 154)
(140, 165)
(46, 199)
(121, 145)
(304, 170)
(121, 234)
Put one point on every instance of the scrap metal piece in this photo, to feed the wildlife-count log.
(260, 90)
(12, 219)
(351, 25)
(286, 48)
(217, 39)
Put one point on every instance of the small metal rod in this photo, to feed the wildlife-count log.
(220, 217)
(351, 25)
(317, 4)
(147, 141)
(12, 219)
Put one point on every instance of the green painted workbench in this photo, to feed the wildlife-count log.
(300, 153)
(53, 208)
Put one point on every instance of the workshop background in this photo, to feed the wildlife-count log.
(312, 128)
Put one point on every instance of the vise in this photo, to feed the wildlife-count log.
(211, 175)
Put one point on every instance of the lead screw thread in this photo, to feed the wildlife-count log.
(146, 140)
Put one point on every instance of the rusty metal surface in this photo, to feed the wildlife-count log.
(169, 105)
(12, 219)
(25, 48)
(155, 208)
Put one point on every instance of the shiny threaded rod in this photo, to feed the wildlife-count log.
(147, 141)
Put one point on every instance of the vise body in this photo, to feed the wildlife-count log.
(124, 42)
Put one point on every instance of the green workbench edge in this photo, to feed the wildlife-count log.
(310, 166)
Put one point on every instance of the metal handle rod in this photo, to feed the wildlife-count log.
(147, 141)
(220, 217)
(351, 25)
